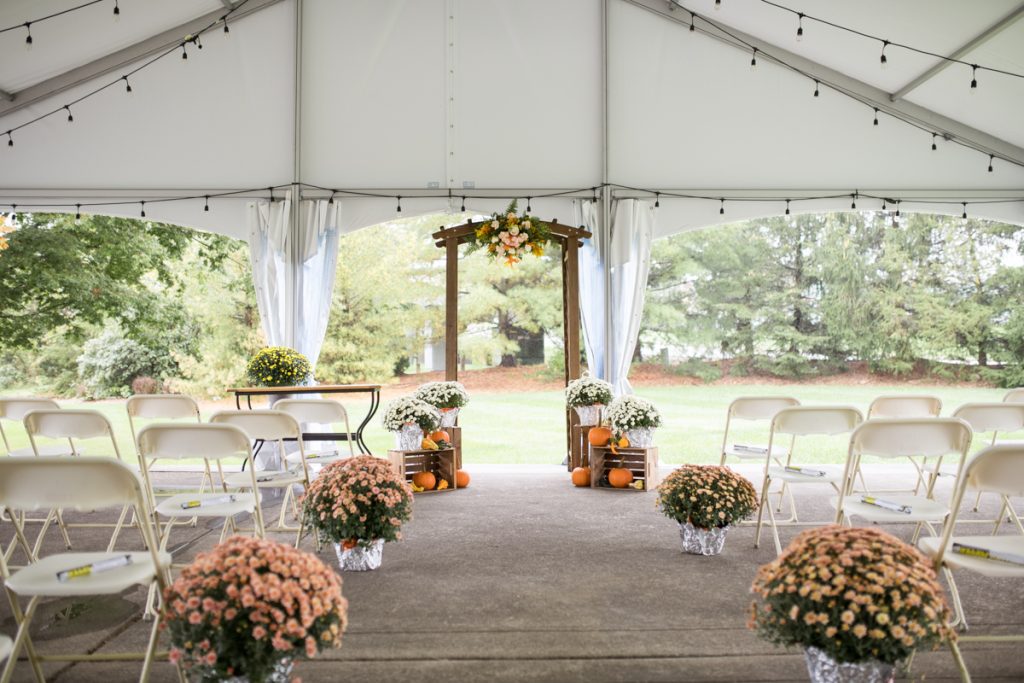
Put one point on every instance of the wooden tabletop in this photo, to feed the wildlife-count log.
(315, 389)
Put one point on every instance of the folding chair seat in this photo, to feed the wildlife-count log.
(270, 426)
(794, 422)
(317, 411)
(997, 469)
(898, 406)
(80, 483)
(754, 409)
(15, 410)
(74, 425)
(899, 438)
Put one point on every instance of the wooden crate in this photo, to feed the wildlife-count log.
(441, 463)
(579, 452)
(456, 434)
(642, 462)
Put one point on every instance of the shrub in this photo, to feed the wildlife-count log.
(108, 363)
(701, 369)
(146, 385)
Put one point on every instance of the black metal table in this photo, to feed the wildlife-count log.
(357, 436)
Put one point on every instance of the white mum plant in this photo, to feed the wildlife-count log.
(632, 412)
(443, 395)
(588, 391)
(409, 410)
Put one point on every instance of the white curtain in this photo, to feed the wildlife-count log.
(629, 257)
(268, 253)
(591, 262)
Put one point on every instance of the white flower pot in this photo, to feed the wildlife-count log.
(697, 541)
(641, 437)
(409, 437)
(359, 558)
(823, 669)
(448, 417)
(589, 415)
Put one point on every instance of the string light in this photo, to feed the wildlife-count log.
(71, 118)
(974, 77)
(721, 209)
(197, 42)
(330, 201)
(463, 209)
(897, 208)
(853, 204)
(753, 59)
(127, 85)
(28, 38)
(657, 199)
(271, 191)
(964, 216)
(787, 207)
(800, 26)
(876, 116)
(991, 158)
(693, 22)
(78, 212)
(399, 198)
(528, 207)
(10, 139)
(184, 51)
(226, 29)
(206, 203)
(934, 146)
(117, 11)
(142, 212)
(718, 4)
(817, 85)
(883, 204)
(593, 197)
(883, 59)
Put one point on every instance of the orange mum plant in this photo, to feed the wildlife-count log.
(249, 608)
(706, 496)
(856, 594)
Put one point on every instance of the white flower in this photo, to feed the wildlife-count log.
(527, 225)
(514, 230)
(632, 412)
(495, 225)
(528, 248)
(587, 391)
(443, 394)
(410, 410)
(494, 239)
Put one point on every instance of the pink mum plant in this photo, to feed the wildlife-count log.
(706, 496)
(248, 604)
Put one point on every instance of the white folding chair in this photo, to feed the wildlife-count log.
(754, 409)
(997, 469)
(15, 410)
(80, 483)
(74, 426)
(317, 411)
(905, 406)
(899, 438)
(270, 426)
(1014, 395)
(794, 422)
(163, 408)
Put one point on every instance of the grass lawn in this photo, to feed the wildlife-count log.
(529, 427)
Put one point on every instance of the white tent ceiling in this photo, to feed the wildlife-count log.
(506, 98)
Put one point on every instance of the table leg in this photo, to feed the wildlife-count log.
(374, 404)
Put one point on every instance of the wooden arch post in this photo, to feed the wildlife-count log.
(570, 240)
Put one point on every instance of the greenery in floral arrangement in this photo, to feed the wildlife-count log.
(857, 594)
(706, 496)
(509, 236)
(588, 391)
(358, 500)
(410, 410)
(632, 412)
(241, 608)
(443, 395)
(278, 366)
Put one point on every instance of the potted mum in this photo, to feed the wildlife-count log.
(410, 418)
(249, 608)
(636, 417)
(447, 397)
(706, 500)
(858, 600)
(587, 396)
(278, 366)
(357, 504)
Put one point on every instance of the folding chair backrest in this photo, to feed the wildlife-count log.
(267, 425)
(162, 406)
(825, 420)
(759, 407)
(992, 417)
(921, 436)
(317, 410)
(177, 441)
(1014, 395)
(17, 408)
(998, 468)
(68, 424)
(83, 483)
(904, 406)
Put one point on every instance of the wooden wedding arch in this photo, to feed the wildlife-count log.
(570, 240)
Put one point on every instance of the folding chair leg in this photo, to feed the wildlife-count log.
(965, 675)
(22, 639)
(760, 510)
(775, 529)
(960, 619)
(977, 502)
(154, 636)
(117, 529)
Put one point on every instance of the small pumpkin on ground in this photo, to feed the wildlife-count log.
(462, 479)
(581, 476)
(425, 480)
(620, 477)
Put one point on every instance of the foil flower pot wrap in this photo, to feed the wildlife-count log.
(359, 558)
(640, 437)
(823, 669)
(282, 673)
(697, 541)
(448, 416)
(589, 415)
(409, 437)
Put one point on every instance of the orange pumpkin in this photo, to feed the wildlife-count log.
(462, 479)
(581, 476)
(599, 436)
(620, 477)
(425, 480)
(440, 435)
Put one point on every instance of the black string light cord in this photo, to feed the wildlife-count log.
(875, 107)
(192, 38)
(31, 22)
(884, 42)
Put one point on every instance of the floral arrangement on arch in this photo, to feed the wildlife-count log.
(857, 594)
(510, 235)
(278, 366)
(410, 410)
(588, 391)
(706, 496)
(632, 412)
(443, 395)
(358, 500)
(248, 605)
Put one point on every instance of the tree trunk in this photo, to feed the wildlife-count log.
(982, 356)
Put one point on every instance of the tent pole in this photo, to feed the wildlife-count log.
(605, 224)
(296, 206)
